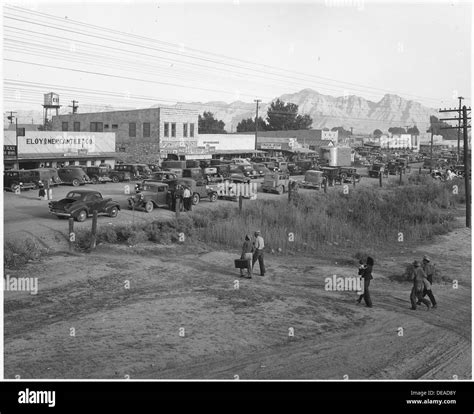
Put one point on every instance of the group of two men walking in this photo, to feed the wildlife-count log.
(422, 282)
(253, 252)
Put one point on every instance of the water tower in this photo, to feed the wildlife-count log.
(51, 101)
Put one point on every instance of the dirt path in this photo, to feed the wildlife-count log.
(135, 331)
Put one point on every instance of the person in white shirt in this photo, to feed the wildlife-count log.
(188, 205)
(259, 245)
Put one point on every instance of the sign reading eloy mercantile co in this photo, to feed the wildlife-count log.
(58, 142)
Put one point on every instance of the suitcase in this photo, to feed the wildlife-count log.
(241, 263)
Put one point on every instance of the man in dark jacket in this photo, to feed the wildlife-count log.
(367, 276)
(419, 279)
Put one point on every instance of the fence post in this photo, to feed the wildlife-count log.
(289, 192)
(353, 181)
(94, 230)
(178, 206)
(326, 185)
(400, 182)
(72, 236)
(380, 178)
(241, 201)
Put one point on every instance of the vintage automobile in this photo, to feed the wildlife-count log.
(74, 175)
(392, 168)
(136, 171)
(349, 174)
(79, 204)
(244, 169)
(152, 194)
(313, 179)
(275, 183)
(223, 187)
(18, 179)
(300, 167)
(240, 161)
(260, 169)
(98, 174)
(163, 176)
(332, 175)
(154, 167)
(376, 169)
(198, 191)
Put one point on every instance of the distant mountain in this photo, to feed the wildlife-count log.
(326, 111)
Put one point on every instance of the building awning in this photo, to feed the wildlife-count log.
(303, 151)
(65, 156)
(230, 152)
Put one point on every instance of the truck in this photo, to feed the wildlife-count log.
(275, 183)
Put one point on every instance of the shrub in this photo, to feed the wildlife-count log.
(17, 253)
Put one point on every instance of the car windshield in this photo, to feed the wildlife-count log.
(75, 196)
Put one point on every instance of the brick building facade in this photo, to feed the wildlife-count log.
(139, 133)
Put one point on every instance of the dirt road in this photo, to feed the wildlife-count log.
(174, 312)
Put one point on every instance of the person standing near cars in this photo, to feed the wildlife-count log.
(187, 199)
(42, 192)
(259, 245)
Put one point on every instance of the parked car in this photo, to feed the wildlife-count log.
(152, 194)
(244, 169)
(99, 174)
(48, 176)
(136, 171)
(349, 174)
(260, 169)
(276, 183)
(74, 175)
(79, 204)
(313, 179)
(198, 191)
(332, 175)
(376, 169)
(18, 179)
(300, 167)
(163, 176)
(154, 167)
(240, 161)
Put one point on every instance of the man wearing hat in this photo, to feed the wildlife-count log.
(259, 245)
(419, 278)
(429, 270)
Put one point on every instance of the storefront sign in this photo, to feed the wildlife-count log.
(9, 150)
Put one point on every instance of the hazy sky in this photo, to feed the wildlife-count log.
(419, 51)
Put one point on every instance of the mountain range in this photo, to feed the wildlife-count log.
(327, 111)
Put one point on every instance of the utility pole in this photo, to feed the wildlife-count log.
(431, 150)
(459, 128)
(11, 116)
(465, 126)
(16, 138)
(256, 121)
(466, 167)
(74, 106)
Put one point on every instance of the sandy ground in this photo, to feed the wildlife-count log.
(136, 332)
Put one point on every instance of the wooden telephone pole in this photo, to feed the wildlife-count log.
(463, 112)
(256, 121)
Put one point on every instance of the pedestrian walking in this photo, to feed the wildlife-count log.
(419, 285)
(429, 270)
(259, 245)
(367, 276)
(362, 267)
(247, 254)
(42, 192)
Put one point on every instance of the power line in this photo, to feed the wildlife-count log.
(48, 16)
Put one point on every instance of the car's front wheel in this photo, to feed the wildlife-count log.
(75, 182)
(213, 197)
(149, 206)
(81, 216)
(195, 199)
(115, 179)
(113, 212)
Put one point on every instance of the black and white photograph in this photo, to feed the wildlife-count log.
(237, 190)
